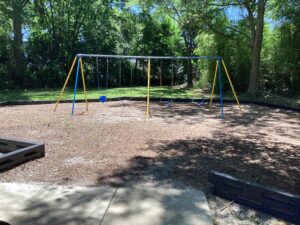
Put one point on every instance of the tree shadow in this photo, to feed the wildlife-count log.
(50, 205)
(186, 164)
(253, 116)
(13, 96)
(157, 206)
(261, 116)
(173, 112)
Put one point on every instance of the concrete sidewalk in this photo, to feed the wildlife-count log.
(157, 207)
(24, 204)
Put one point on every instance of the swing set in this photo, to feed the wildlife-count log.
(79, 59)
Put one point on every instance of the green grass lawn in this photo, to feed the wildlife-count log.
(157, 92)
(51, 94)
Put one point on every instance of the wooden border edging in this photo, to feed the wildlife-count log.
(260, 197)
(16, 152)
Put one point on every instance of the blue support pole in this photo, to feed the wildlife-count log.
(220, 88)
(75, 87)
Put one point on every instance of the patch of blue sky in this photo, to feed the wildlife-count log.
(135, 9)
(235, 13)
(26, 33)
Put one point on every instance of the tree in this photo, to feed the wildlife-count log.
(285, 51)
(254, 21)
(261, 57)
(57, 35)
(15, 10)
(63, 21)
(256, 14)
(183, 12)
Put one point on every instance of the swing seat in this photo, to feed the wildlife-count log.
(200, 103)
(102, 99)
(166, 102)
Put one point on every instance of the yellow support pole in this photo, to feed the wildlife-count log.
(148, 90)
(213, 86)
(232, 88)
(84, 87)
(65, 84)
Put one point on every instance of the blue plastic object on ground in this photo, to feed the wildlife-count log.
(102, 99)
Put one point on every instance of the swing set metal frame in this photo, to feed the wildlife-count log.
(79, 59)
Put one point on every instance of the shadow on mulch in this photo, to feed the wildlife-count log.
(188, 162)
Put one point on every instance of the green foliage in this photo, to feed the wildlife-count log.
(57, 30)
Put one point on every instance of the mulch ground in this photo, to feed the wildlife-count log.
(114, 144)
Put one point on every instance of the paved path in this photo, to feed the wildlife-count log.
(24, 204)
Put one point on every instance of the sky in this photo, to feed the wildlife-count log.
(235, 14)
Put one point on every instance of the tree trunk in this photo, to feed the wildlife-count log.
(256, 50)
(189, 69)
(135, 74)
(189, 74)
(18, 53)
(189, 51)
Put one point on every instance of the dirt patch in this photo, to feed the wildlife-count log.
(114, 144)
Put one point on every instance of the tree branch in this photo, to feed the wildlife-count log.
(251, 19)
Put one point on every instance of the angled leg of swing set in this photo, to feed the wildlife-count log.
(213, 85)
(65, 84)
(232, 88)
(84, 87)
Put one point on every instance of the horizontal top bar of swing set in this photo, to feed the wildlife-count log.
(147, 57)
